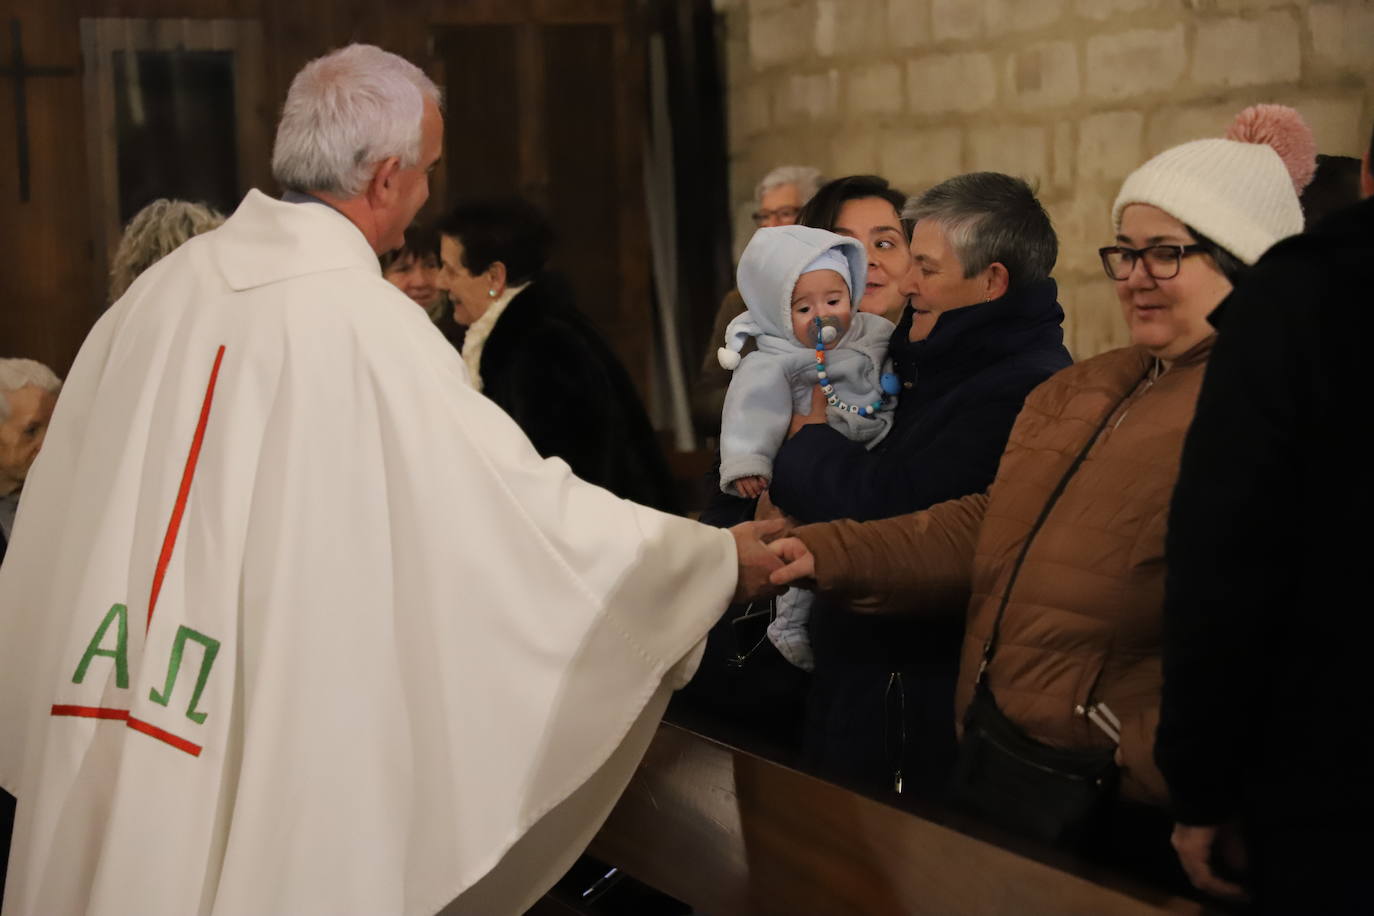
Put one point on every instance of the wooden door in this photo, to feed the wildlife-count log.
(45, 288)
(61, 199)
(545, 100)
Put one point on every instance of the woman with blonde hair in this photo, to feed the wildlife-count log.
(155, 232)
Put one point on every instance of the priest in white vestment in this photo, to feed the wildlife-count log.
(293, 620)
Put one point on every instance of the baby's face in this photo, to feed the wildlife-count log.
(819, 294)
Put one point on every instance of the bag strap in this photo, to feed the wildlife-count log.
(990, 647)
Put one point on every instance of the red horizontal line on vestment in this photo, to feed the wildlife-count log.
(138, 725)
(91, 712)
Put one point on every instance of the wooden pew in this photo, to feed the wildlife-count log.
(730, 832)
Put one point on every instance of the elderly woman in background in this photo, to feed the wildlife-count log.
(155, 232)
(532, 352)
(28, 395)
(981, 329)
(1064, 554)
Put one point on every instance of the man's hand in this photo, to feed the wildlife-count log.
(751, 487)
(1198, 847)
(817, 414)
(801, 565)
(756, 560)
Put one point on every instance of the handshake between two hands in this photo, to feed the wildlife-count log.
(769, 560)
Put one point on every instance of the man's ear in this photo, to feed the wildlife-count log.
(998, 280)
(381, 190)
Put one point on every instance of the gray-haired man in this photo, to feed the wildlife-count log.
(296, 620)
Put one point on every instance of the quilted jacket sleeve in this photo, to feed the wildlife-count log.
(918, 564)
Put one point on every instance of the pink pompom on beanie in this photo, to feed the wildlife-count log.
(1240, 192)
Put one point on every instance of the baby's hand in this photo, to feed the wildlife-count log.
(751, 487)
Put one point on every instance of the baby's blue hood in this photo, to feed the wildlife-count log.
(771, 264)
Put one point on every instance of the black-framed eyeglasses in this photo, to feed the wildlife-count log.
(787, 214)
(1161, 261)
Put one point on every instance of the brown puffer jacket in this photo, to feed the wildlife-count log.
(1084, 618)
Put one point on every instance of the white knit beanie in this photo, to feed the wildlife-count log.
(1241, 192)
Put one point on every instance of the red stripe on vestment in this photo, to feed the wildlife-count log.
(166, 737)
(179, 509)
(138, 725)
(90, 712)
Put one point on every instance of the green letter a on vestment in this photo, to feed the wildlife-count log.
(120, 653)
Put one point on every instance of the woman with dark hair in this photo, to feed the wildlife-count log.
(867, 208)
(531, 351)
(414, 270)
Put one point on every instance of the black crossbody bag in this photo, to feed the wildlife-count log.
(1056, 795)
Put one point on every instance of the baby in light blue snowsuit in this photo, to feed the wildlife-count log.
(801, 287)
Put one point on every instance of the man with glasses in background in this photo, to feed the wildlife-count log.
(782, 193)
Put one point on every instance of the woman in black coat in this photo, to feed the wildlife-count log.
(981, 329)
(531, 351)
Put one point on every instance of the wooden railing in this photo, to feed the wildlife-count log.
(730, 832)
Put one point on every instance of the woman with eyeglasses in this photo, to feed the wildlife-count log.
(1063, 556)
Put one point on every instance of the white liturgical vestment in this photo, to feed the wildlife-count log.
(295, 622)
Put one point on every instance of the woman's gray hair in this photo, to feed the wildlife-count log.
(990, 217)
(344, 113)
(807, 180)
(155, 232)
(20, 373)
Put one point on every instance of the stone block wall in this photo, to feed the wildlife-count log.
(1072, 94)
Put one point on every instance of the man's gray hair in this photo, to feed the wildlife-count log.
(344, 113)
(807, 180)
(990, 217)
(155, 232)
(20, 373)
